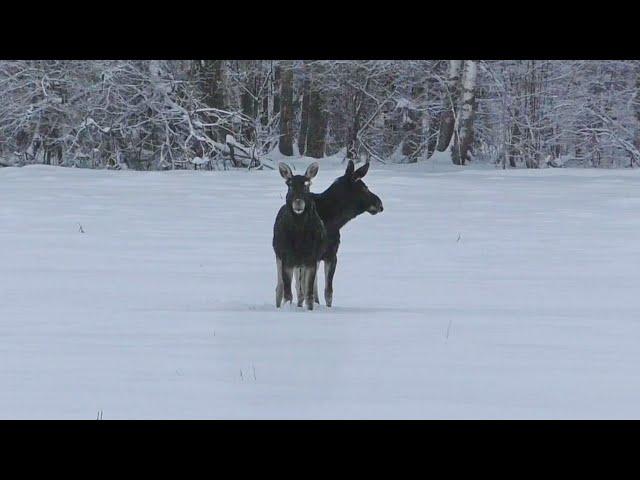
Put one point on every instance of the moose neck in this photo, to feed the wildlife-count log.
(332, 210)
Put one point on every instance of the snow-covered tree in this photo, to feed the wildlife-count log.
(232, 113)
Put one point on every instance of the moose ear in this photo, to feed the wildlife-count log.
(312, 170)
(350, 167)
(285, 171)
(361, 172)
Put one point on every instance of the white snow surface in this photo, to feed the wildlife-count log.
(475, 294)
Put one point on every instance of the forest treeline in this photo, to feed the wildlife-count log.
(153, 115)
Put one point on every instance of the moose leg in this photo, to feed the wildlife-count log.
(287, 274)
(329, 271)
(279, 285)
(299, 286)
(316, 297)
(309, 275)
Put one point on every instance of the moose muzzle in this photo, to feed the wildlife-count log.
(298, 206)
(376, 207)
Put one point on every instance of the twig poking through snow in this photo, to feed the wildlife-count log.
(459, 237)
(81, 230)
(448, 330)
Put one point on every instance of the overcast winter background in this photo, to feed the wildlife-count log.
(499, 282)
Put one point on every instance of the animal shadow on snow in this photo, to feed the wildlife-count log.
(339, 310)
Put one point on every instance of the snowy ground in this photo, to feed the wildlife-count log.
(475, 294)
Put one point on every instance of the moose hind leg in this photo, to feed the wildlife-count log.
(279, 285)
(329, 271)
(299, 286)
(309, 277)
(287, 274)
(316, 297)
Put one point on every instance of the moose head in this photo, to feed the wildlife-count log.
(298, 197)
(355, 194)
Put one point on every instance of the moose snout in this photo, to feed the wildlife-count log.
(376, 207)
(298, 206)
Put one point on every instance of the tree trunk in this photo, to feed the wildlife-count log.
(210, 79)
(463, 149)
(414, 128)
(304, 117)
(265, 111)
(209, 76)
(275, 107)
(286, 109)
(317, 125)
(432, 135)
(247, 107)
(431, 122)
(353, 128)
(636, 107)
(451, 99)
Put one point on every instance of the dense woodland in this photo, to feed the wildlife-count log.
(219, 114)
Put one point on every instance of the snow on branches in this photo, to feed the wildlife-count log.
(211, 114)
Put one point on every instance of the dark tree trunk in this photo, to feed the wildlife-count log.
(432, 130)
(210, 79)
(209, 75)
(636, 108)
(451, 99)
(317, 125)
(246, 105)
(513, 149)
(264, 113)
(432, 135)
(353, 128)
(285, 102)
(277, 75)
(414, 130)
(304, 117)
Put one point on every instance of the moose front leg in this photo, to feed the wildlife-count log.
(287, 274)
(279, 285)
(309, 276)
(329, 271)
(299, 286)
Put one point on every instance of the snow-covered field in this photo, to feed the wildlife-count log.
(475, 294)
